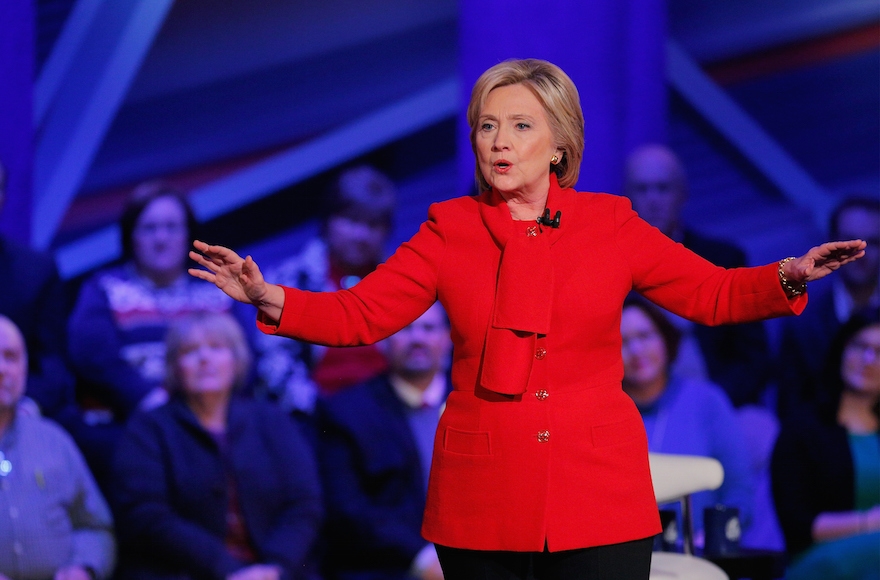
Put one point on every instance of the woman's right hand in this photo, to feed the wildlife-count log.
(238, 277)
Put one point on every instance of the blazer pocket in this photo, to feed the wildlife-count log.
(467, 442)
(618, 432)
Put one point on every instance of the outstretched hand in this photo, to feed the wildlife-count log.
(238, 277)
(820, 261)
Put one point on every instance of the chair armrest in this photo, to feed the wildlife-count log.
(676, 476)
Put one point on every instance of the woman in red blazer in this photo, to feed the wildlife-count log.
(540, 461)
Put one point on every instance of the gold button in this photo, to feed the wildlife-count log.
(542, 394)
(540, 353)
(543, 436)
(532, 231)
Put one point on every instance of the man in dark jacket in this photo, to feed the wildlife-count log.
(375, 444)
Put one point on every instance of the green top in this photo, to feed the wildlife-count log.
(866, 463)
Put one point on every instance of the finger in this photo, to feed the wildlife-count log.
(251, 267)
(852, 257)
(201, 260)
(852, 245)
(218, 254)
(203, 274)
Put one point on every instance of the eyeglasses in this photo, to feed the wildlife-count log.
(5, 465)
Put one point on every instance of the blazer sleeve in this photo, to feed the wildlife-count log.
(385, 301)
(682, 282)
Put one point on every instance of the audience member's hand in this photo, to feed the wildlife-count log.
(71, 573)
(256, 572)
(238, 277)
(822, 260)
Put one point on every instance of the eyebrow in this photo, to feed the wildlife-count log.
(514, 117)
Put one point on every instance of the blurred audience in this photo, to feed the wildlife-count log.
(118, 326)
(54, 523)
(805, 339)
(211, 484)
(734, 357)
(33, 297)
(358, 212)
(826, 464)
(683, 415)
(375, 447)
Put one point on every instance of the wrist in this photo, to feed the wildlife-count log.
(792, 289)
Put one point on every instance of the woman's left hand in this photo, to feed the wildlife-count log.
(822, 260)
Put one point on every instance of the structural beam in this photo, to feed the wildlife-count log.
(745, 134)
(82, 96)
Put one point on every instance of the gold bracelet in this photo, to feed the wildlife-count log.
(791, 290)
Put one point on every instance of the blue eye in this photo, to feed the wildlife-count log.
(522, 126)
(486, 126)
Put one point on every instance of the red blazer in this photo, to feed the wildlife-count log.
(566, 463)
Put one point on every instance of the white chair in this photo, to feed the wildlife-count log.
(675, 478)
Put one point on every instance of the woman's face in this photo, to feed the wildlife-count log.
(644, 351)
(160, 238)
(515, 142)
(206, 364)
(355, 244)
(861, 361)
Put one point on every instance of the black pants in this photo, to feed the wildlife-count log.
(624, 561)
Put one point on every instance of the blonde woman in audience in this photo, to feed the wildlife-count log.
(213, 485)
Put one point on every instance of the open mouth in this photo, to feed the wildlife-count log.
(502, 165)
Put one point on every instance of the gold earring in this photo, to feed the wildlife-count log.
(554, 160)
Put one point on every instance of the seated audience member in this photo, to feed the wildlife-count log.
(54, 523)
(683, 415)
(805, 339)
(376, 441)
(826, 464)
(735, 357)
(118, 326)
(33, 297)
(211, 484)
(358, 212)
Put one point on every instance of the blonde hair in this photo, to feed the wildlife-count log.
(216, 325)
(556, 93)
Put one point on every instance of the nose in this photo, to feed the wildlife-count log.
(501, 141)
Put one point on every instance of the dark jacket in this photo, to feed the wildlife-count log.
(812, 472)
(33, 297)
(171, 493)
(374, 487)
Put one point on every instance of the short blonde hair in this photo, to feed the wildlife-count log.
(218, 325)
(556, 93)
